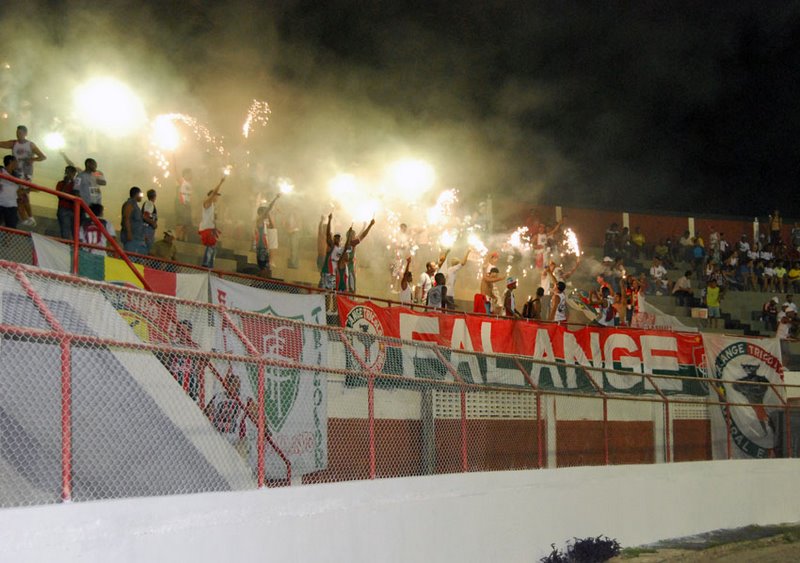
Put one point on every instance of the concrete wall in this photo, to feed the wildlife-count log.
(503, 516)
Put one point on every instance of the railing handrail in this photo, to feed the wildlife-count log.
(79, 204)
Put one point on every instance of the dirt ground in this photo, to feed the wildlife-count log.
(771, 544)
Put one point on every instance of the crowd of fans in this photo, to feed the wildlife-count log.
(614, 296)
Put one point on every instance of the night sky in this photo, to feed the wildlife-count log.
(684, 106)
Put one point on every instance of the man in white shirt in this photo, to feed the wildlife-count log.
(26, 153)
(682, 289)
(425, 282)
(790, 304)
(450, 271)
(658, 276)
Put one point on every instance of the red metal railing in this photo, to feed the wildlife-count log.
(476, 442)
(78, 206)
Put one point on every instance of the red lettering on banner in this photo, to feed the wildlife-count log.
(637, 351)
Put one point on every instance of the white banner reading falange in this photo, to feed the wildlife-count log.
(296, 400)
(753, 373)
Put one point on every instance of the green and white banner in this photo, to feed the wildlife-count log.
(295, 400)
(746, 372)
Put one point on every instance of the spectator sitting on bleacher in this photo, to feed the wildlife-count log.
(743, 247)
(780, 277)
(164, 248)
(682, 290)
(745, 275)
(638, 240)
(758, 276)
(793, 277)
(658, 277)
(768, 282)
(661, 251)
(730, 277)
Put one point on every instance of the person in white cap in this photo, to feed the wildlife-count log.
(509, 303)
(164, 248)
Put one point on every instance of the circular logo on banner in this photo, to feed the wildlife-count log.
(367, 325)
(745, 363)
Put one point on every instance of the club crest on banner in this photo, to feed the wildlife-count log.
(748, 370)
(367, 325)
(276, 341)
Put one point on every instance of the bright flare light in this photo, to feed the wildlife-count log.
(109, 106)
(285, 185)
(447, 239)
(227, 170)
(411, 178)
(520, 239)
(342, 186)
(440, 213)
(54, 141)
(476, 244)
(366, 210)
(572, 242)
(165, 135)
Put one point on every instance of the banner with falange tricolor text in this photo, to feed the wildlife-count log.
(491, 351)
(296, 400)
(746, 376)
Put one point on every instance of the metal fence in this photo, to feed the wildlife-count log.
(109, 392)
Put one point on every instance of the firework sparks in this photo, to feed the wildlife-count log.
(442, 210)
(285, 185)
(165, 138)
(520, 239)
(571, 240)
(447, 239)
(258, 114)
(476, 244)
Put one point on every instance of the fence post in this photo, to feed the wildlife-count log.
(370, 401)
(66, 419)
(66, 382)
(76, 231)
(539, 420)
(463, 393)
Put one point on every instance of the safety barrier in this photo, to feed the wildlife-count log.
(109, 392)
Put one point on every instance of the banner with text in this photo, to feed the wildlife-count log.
(635, 351)
(752, 373)
(296, 400)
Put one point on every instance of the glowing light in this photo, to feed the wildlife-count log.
(476, 244)
(258, 114)
(441, 212)
(167, 123)
(342, 186)
(447, 239)
(571, 240)
(109, 106)
(364, 211)
(410, 178)
(227, 170)
(54, 141)
(285, 185)
(164, 133)
(520, 239)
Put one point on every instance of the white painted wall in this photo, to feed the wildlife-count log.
(502, 516)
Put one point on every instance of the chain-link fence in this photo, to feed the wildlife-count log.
(109, 392)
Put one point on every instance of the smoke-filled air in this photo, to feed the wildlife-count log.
(423, 119)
